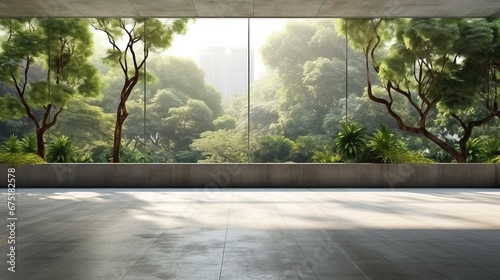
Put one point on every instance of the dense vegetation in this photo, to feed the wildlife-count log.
(410, 91)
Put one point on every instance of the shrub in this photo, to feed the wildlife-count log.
(60, 150)
(20, 158)
(272, 148)
(350, 142)
(325, 156)
(13, 145)
(28, 144)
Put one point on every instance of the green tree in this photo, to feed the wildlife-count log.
(186, 79)
(62, 46)
(85, 123)
(272, 148)
(188, 122)
(179, 81)
(145, 33)
(225, 122)
(309, 59)
(221, 146)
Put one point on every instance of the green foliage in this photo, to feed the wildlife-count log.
(299, 120)
(272, 148)
(127, 37)
(308, 58)
(494, 160)
(221, 146)
(188, 156)
(101, 152)
(325, 155)
(62, 45)
(13, 145)
(383, 143)
(490, 149)
(385, 147)
(84, 158)
(28, 144)
(11, 108)
(187, 122)
(60, 150)
(20, 158)
(350, 143)
(85, 123)
(225, 122)
(304, 147)
(431, 67)
(474, 148)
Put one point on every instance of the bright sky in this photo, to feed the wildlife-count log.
(226, 32)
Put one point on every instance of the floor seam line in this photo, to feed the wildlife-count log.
(295, 239)
(152, 243)
(225, 236)
(349, 258)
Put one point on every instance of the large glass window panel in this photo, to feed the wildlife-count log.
(198, 106)
(296, 103)
(430, 84)
(83, 129)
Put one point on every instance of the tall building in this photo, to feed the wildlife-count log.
(226, 69)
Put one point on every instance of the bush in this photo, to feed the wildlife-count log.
(13, 145)
(490, 150)
(20, 158)
(385, 147)
(304, 146)
(325, 156)
(60, 150)
(272, 148)
(350, 143)
(187, 156)
(28, 144)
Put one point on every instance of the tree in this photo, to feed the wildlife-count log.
(187, 122)
(309, 59)
(179, 81)
(225, 122)
(82, 112)
(148, 33)
(62, 46)
(437, 66)
(221, 146)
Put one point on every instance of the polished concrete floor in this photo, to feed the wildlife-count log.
(254, 234)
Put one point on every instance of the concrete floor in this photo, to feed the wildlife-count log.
(254, 234)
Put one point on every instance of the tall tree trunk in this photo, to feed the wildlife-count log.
(40, 145)
(121, 115)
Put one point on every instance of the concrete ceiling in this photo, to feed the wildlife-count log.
(250, 8)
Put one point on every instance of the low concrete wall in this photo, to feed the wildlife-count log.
(257, 175)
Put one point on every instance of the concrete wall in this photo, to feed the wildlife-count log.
(257, 175)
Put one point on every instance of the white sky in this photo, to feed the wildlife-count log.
(225, 32)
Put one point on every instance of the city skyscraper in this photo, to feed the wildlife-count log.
(226, 69)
